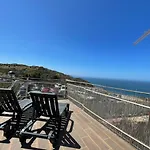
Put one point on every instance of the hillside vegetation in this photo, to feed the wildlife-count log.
(24, 71)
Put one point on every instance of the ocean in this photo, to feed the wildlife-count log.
(142, 86)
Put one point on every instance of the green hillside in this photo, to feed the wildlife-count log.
(24, 71)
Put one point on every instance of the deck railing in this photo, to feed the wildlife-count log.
(22, 87)
(127, 116)
(129, 119)
(5, 82)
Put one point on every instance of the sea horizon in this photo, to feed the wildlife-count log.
(134, 85)
(118, 79)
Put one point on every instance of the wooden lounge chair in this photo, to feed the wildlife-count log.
(45, 104)
(11, 107)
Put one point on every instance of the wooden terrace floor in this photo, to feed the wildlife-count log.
(83, 132)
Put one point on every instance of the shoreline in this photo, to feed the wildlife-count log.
(134, 98)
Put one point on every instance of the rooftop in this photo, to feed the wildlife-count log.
(82, 132)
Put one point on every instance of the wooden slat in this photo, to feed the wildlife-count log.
(47, 107)
(9, 100)
(54, 111)
(56, 105)
(6, 99)
(3, 103)
(16, 104)
(36, 104)
(43, 105)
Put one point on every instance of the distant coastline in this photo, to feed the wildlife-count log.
(142, 86)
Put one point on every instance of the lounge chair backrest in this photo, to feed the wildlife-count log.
(8, 101)
(45, 104)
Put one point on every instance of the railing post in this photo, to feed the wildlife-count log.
(66, 93)
(149, 118)
(27, 87)
(84, 97)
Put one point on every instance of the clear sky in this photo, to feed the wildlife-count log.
(78, 37)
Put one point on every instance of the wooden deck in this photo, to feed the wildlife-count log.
(83, 132)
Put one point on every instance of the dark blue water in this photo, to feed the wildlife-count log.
(142, 86)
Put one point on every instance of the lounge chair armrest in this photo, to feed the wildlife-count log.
(62, 107)
(25, 104)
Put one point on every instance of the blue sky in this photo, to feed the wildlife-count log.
(78, 37)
